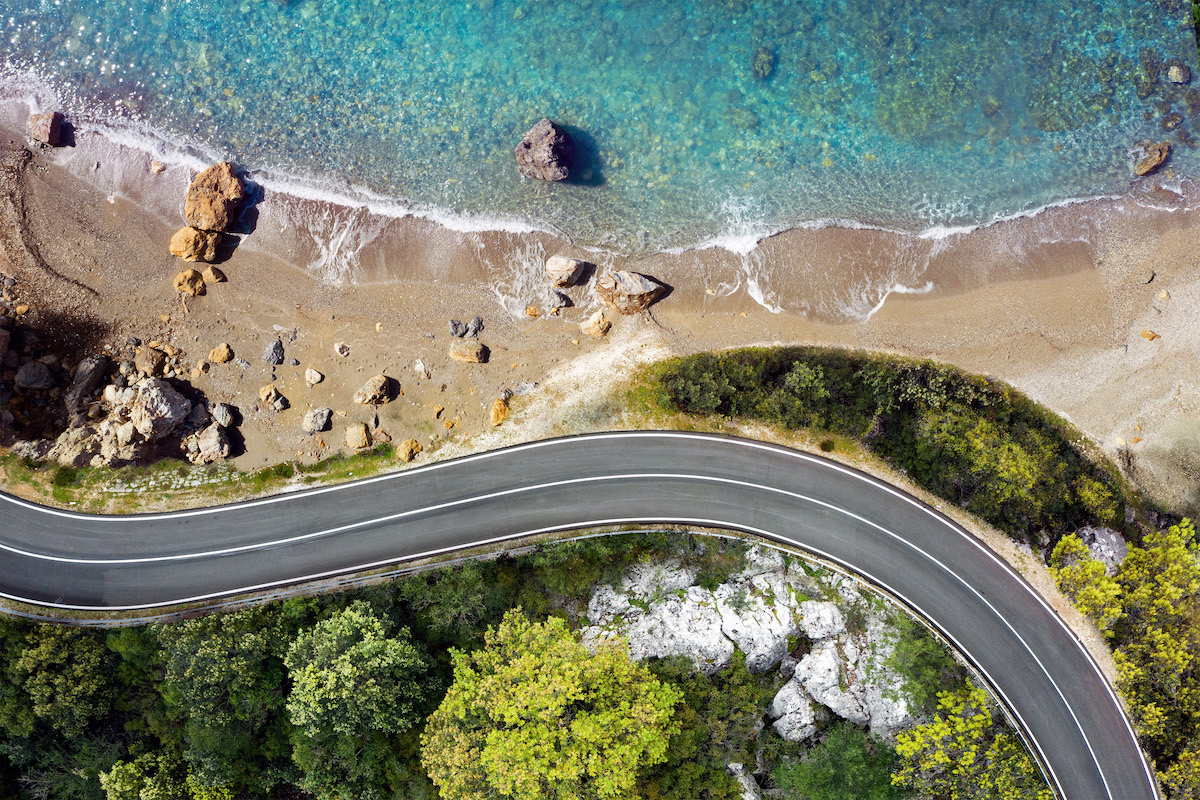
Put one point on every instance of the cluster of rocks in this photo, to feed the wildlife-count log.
(214, 200)
(621, 291)
(765, 612)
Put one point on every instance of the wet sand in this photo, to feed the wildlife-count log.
(1053, 304)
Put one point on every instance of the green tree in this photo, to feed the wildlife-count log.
(63, 672)
(1085, 580)
(963, 755)
(535, 715)
(848, 762)
(147, 777)
(922, 661)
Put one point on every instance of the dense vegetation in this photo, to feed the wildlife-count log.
(1149, 609)
(967, 439)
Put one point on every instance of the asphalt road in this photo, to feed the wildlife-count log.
(1033, 662)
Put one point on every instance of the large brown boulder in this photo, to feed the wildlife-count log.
(46, 128)
(409, 449)
(545, 153)
(1155, 156)
(193, 244)
(376, 391)
(357, 436)
(150, 361)
(469, 351)
(629, 292)
(213, 198)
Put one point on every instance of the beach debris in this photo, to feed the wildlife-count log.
(213, 198)
(408, 450)
(469, 351)
(316, 420)
(376, 391)
(312, 377)
(193, 244)
(762, 63)
(342, 349)
(1150, 336)
(545, 152)
(498, 412)
(189, 282)
(213, 275)
(357, 436)
(46, 128)
(273, 354)
(564, 272)
(1155, 155)
(149, 361)
(270, 396)
(222, 414)
(421, 370)
(221, 354)
(596, 325)
(629, 292)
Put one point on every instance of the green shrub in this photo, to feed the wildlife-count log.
(65, 476)
(848, 762)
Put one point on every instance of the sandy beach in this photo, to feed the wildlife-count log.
(1055, 304)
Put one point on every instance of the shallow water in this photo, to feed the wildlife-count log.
(908, 114)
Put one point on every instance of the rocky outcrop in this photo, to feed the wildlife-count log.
(564, 272)
(545, 152)
(189, 282)
(1178, 72)
(376, 391)
(273, 353)
(316, 420)
(469, 351)
(1106, 546)
(629, 292)
(193, 244)
(158, 408)
(1155, 155)
(357, 436)
(214, 198)
(46, 128)
(795, 715)
(596, 324)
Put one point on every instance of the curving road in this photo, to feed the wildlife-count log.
(1033, 662)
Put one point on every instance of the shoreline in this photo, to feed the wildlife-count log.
(1052, 303)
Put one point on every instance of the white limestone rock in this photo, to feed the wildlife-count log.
(158, 408)
(795, 715)
(758, 615)
(821, 620)
(750, 787)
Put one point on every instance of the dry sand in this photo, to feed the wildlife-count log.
(1054, 304)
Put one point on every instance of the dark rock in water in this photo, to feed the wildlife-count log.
(990, 105)
(457, 329)
(46, 128)
(1171, 121)
(762, 63)
(1155, 156)
(545, 153)
(274, 352)
(475, 326)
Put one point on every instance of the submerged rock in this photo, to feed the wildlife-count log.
(762, 63)
(213, 198)
(545, 152)
(193, 244)
(222, 414)
(629, 292)
(1155, 156)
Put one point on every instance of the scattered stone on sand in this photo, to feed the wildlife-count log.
(457, 329)
(212, 444)
(149, 361)
(34, 375)
(1150, 336)
(242, 363)
(46, 128)
(221, 354)
(158, 408)
(596, 325)
(270, 396)
(222, 414)
(273, 354)
(312, 377)
(556, 300)
(212, 274)
(316, 420)
(1156, 154)
(408, 450)
(357, 436)
(629, 292)
(533, 312)
(499, 412)
(213, 198)
(157, 167)
(475, 326)
(545, 152)
(189, 282)
(564, 272)
(342, 349)
(420, 369)
(376, 391)
(193, 244)
(469, 351)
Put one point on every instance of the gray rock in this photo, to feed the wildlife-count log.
(34, 450)
(794, 713)
(564, 272)
(34, 375)
(629, 292)
(198, 418)
(222, 414)
(545, 152)
(1106, 546)
(556, 299)
(457, 329)
(821, 620)
(316, 420)
(750, 787)
(241, 362)
(158, 408)
(376, 391)
(475, 326)
(211, 445)
(274, 353)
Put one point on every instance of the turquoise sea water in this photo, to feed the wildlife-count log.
(902, 113)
